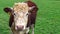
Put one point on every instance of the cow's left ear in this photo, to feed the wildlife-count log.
(31, 8)
(8, 10)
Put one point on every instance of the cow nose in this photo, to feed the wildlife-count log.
(20, 27)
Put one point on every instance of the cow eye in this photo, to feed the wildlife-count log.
(14, 14)
(26, 14)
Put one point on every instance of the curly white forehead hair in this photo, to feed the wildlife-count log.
(20, 7)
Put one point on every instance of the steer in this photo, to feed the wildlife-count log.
(22, 17)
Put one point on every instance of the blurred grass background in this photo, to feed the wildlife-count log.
(48, 16)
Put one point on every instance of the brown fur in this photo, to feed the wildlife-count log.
(32, 16)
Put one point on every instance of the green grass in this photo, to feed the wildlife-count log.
(48, 16)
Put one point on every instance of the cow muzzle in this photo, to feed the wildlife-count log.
(19, 28)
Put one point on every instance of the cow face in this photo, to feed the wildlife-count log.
(21, 15)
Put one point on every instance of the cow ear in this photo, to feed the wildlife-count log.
(31, 8)
(8, 10)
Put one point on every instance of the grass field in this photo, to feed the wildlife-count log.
(48, 16)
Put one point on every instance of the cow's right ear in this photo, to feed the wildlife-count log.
(8, 10)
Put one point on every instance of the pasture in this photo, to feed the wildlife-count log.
(48, 16)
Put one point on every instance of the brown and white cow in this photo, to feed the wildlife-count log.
(22, 17)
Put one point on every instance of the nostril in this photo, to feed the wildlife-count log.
(22, 26)
(17, 26)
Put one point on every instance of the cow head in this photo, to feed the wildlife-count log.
(20, 11)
